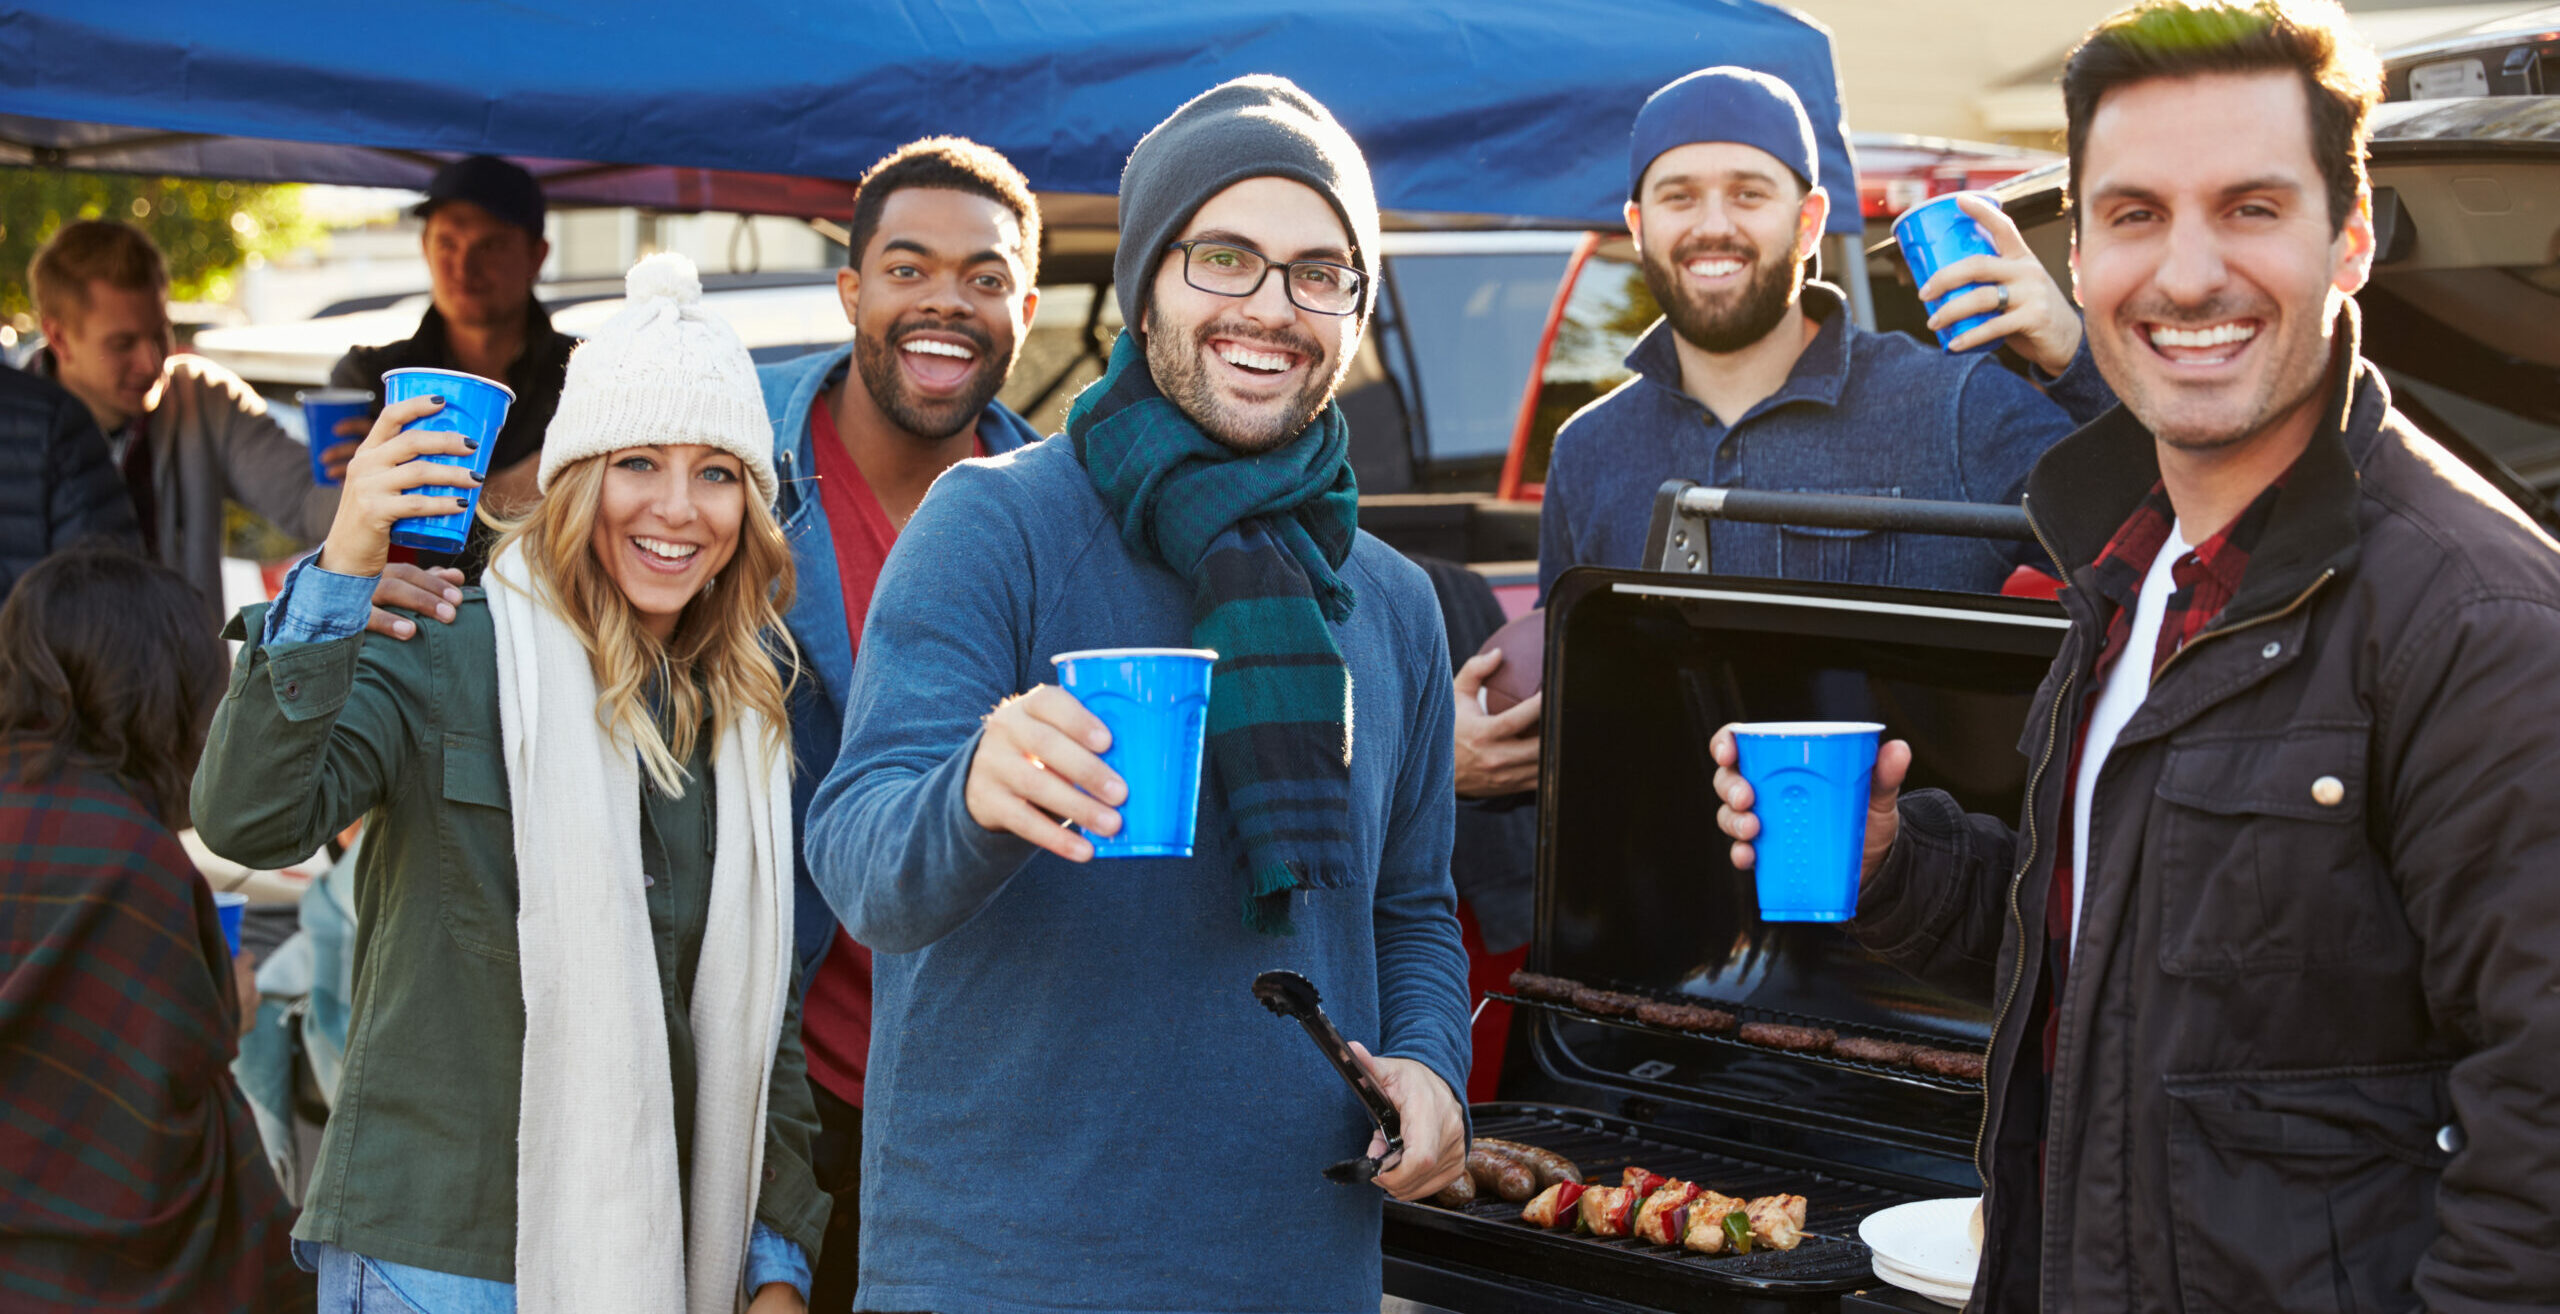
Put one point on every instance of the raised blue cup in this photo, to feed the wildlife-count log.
(1935, 234)
(472, 405)
(322, 409)
(1155, 702)
(230, 904)
(1809, 784)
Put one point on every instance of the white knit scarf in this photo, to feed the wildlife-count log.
(599, 1225)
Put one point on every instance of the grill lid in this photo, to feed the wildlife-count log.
(1635, 886)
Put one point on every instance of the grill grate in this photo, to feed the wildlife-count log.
(1830, 1259)
(1750, 1013)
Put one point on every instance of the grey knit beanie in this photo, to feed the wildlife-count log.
(1258, 126)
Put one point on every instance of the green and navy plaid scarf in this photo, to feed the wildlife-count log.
(1260, 538)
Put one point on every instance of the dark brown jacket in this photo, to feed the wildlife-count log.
(2309, 1052)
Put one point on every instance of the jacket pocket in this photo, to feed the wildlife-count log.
(477, 900)
(2304, 1192)
(2261, 852)
(1837, 556)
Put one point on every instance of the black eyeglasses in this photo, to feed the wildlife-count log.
(1234, 271)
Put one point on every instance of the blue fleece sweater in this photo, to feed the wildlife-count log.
(1074, 1102)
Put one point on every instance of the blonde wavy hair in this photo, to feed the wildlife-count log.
(730, 653)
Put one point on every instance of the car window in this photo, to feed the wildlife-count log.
(1469, 327)
(1610, 308)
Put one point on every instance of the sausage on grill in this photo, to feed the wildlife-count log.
(1505, 1176)
(1550, 1166)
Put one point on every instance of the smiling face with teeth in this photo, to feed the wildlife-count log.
(2207, 264)
(1723, 230)
(667, 521)
(939, 307)
(1251, 371)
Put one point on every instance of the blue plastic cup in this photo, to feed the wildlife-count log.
(230, 904)
(1935, 234)
(473, 406)
(1809, 783)
(1155, 702)
(322, 409)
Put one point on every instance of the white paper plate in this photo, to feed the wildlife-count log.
(1930, 1239)
(1945, 1293)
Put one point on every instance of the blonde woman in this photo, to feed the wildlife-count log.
(573, 1080)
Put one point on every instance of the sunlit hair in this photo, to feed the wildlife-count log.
(106, 662)
(729, 654)
(2311, 39)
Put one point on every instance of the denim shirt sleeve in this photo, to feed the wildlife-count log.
(772, 1257)
(316, 605)
(2080, 390)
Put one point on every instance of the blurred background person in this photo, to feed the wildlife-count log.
(136, 1177)
(58, 486)
(484, 248)
(185, 433)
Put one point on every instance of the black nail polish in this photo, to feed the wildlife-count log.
(438, 399)
(471, 442)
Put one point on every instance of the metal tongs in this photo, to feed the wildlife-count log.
(1291, 995)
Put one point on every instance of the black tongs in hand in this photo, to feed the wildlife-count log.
(1291, 995)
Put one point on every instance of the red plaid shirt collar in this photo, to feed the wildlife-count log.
(2203, 580)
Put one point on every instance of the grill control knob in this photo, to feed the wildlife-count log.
(2328, 791)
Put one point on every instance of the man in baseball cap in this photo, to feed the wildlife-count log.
(1201, 497)
(484, 247)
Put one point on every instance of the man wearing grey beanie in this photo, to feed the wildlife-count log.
(1200, 498)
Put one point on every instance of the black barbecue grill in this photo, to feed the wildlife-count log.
(1636, 893)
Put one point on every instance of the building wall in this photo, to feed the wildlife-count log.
(1925, 66)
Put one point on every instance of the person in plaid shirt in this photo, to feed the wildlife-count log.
(135, 1176)
(2277, 1018)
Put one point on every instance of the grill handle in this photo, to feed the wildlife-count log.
(1677, 539)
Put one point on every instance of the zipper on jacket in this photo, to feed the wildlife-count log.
(2278, 614)
(2052, 738)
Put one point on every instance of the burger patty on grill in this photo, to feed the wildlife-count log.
(1686, 1017)
(1867, 1049)
(1778, 1035)
(1964, 1063)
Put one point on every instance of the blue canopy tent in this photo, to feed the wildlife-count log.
(1513, 109)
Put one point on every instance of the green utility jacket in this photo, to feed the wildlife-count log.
(418, 1165)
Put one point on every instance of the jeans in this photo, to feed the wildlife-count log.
(350, 1283)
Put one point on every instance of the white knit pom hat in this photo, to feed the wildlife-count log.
(662, 370)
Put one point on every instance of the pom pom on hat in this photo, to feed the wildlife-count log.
(664, 275)
(662, 371)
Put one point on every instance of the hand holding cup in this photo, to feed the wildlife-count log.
(1736, 802)
(1040, 762)
(2010, 286)
(378, 489)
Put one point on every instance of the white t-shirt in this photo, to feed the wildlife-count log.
(2128, 682)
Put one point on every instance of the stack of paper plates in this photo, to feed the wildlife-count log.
(1925, 1247)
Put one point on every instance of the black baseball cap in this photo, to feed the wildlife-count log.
(502, 188)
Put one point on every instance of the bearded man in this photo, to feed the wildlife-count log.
(1756, 377)
(1077, 1042)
